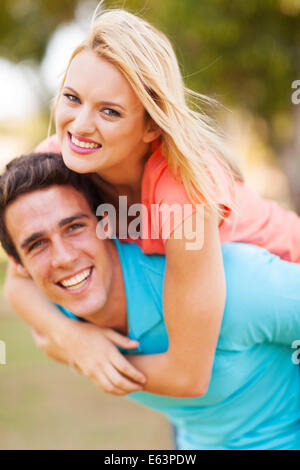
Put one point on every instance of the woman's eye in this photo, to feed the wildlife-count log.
(111, 112)
(72, 98)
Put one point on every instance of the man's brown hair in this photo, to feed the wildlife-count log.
(37, 171)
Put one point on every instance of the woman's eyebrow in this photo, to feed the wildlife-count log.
(111, 103)
(106, 103)
(71, 89)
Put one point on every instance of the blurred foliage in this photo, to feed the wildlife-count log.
(245, 52)
(26, 26)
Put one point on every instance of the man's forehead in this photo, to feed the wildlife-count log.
(43, 208)
(51, 198)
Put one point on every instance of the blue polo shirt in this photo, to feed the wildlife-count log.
(253, 400)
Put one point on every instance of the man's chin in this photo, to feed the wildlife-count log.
(86, 312)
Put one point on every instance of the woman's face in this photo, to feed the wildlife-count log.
(101, 122)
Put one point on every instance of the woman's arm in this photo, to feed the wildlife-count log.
(194, 300)
(89, 348)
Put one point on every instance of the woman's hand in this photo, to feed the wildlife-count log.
(92, 351)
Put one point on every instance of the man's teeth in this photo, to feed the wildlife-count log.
(85, 145)
(74, 281)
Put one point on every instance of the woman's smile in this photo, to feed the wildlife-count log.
(82, 145)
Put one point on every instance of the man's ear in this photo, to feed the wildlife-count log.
(19, 267)
(153, 131)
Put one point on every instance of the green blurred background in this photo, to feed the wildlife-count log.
(246, 54)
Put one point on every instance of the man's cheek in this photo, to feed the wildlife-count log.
(42, 283)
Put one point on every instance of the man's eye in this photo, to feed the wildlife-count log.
(111, 112)
(35, 245)
(76, 226)
(72, 98)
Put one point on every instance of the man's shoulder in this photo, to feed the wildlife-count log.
(133, 258)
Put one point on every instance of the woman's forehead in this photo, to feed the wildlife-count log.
(99, 78)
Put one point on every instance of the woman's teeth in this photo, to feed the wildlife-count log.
(85, 145)
(76, 281)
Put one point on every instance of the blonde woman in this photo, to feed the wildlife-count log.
(123, 114)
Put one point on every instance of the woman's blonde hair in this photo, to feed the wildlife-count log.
(190, 143)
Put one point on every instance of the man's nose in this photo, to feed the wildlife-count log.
(84, 121)
(63, 254)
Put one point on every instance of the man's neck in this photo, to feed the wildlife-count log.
(114, 313)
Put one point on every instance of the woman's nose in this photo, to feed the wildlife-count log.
(83, 122)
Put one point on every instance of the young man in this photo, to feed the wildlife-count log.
(47, 224)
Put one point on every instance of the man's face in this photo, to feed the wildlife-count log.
(54, 232)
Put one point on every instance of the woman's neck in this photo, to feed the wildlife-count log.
(110, 193)
(126, 179)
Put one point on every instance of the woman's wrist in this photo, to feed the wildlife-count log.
(64, 332)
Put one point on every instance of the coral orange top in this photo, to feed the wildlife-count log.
(258, 221)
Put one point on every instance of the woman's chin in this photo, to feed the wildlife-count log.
(75, 162)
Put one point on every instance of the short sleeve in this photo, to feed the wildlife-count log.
(166, 203)
(264, 223)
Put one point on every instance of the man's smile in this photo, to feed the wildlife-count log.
(77, 282)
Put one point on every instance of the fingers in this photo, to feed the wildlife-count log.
(110, 375)
(125, 368)
(102, 381)
(120, 381)
(120, 340)
(110, 381)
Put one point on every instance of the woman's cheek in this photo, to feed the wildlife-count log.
(58, 122)
(63, 115)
